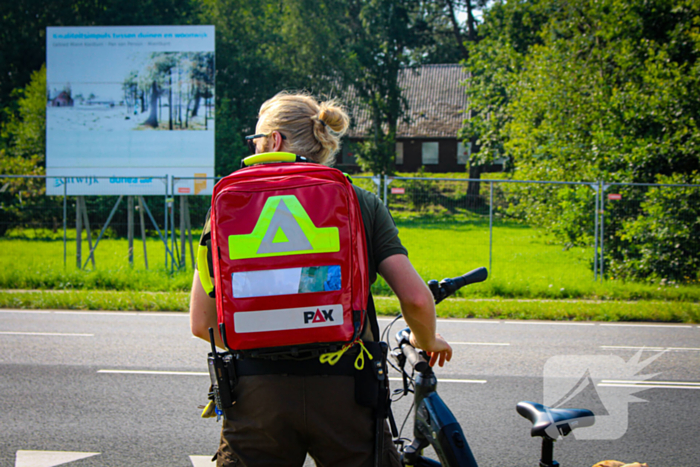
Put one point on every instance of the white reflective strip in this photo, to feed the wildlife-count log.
(265, 283)
(288, 318)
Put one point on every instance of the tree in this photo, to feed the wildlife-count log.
(383, 32)
(23, 200)
(23, 29)
(610, 91)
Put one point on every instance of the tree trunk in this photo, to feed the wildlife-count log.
(473, 195)
(170, 102)
(153, 117)
(197, 96)
(455, 29)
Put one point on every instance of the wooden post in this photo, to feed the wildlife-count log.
(130, 227)
(143, 230)
(78, 233)
(86, 224)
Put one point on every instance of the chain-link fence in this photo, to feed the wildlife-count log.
(579, 230)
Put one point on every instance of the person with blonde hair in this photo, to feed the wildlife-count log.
(286, 409)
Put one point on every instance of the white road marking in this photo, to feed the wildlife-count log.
(202, 461)
(649, 381)
(444, 380)
(647, 386)
(118, 313)
(450, 320)
(153, 372)
(26, 311)
(479, 343)
(49, 458)
(653, 349)
(649, 325)
(27, 333)
(560, 323)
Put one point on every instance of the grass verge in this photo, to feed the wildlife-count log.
(563, 310)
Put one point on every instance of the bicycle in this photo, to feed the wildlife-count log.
(434, 423)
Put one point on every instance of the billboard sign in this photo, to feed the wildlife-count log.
(129, 102)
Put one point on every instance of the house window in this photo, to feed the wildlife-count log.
(399, 154)
(464, 151)
(430, 154)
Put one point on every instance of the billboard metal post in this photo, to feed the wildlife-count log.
(143, 231)
(165, 222)
(163, 238)
(189, 235)
(65, 214)
(183, 230)
(86, 225)
(490, 226)
(109, 219)
(78, 233)
(171, 209)
(130, 227)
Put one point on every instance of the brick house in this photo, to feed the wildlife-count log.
(437, 106)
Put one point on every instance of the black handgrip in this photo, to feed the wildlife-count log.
(472, 277)
(414, 358)
(449, 286)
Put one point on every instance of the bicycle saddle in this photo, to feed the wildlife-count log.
(554, 423)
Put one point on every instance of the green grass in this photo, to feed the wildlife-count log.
(525, 264)
(682, 312)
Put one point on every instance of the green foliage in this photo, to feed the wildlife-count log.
(593, 90)
(24, 135)
(509, 30)
(526, 265)
(23, 40)
(661, 243)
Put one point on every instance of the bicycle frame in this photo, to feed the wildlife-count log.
(434, 423)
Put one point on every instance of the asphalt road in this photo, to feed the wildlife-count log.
(123, 389)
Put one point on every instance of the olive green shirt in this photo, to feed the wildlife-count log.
(381, 233)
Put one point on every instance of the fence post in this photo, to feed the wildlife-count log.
(86, 226)
(143, 231)
(183, 229)
(65, 213)
(130, 227)
(595, 248)
(490, 226)
(385, 188)
(78, 233)
(165, 222)
(602, 230)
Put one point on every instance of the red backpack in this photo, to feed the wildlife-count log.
(289, 258)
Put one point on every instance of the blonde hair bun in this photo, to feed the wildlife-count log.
(333, 116)
(312, 129)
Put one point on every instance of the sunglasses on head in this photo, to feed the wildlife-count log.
(250, 140)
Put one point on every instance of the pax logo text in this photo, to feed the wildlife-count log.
(318, 316)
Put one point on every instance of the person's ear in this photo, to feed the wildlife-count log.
(277, 141)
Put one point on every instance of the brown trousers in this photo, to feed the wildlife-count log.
(278, 419)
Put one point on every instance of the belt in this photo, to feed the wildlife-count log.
(312, 366)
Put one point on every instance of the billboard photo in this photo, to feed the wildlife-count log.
(129, 102)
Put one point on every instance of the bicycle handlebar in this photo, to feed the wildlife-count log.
(446, 287)
(413, 356)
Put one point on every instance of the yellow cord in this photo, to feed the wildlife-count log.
(332, 357)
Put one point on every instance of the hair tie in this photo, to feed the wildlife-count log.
(322, 122)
